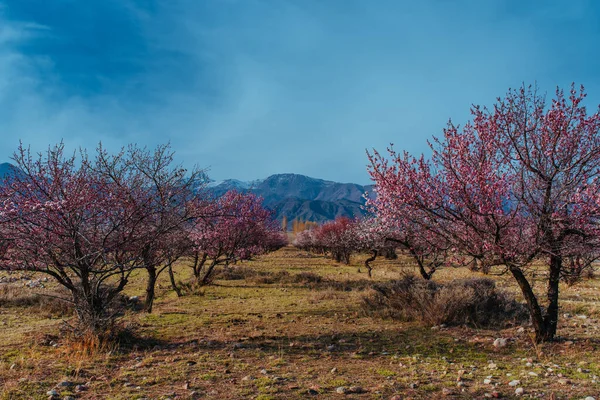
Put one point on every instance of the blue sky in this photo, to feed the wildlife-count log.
(249, 88)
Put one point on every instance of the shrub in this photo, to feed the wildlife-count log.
(235, 273)
(475, 302)
(14, 296)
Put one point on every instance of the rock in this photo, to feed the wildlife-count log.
(264, 371)
(65, 384)
(248, 378)
(492, 366)
(413, 385)
(81, 388)
(52, 393)
(533, 374)
(331, 347)
(590, 398)
(521, 330)
(514, 383)
(563, 381)
(341, 390)
(333, 370)
(519, 391)
(447, 392)
(500, 342)
(487, 381)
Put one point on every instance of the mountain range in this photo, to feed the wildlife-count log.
(301, 197)
(292, 196)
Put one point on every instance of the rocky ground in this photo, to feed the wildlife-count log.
(268, 336)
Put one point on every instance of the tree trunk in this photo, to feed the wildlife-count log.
(421, 263)
(199, 265)
(535, 312)
(368, 262)
(551, 315)
(150, 285)
(173, 283)
(206, 278)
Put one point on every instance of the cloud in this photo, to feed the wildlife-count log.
(251, 88)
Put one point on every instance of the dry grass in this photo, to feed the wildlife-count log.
(475, 302)
(291, 329)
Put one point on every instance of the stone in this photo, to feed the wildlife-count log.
(341, 390)
(492, 366)
(65, 384)
(81, 388)
(590, 398)
(500, 342)
(487, 381)
(333, 370)
(521, 330)
(519, 391)
(52, 393)
(514, 383)
(447, 392)
(264, 371)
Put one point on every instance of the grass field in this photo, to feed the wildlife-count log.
(271, 337)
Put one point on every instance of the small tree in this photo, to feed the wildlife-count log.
(337, 238)
(169, 200)
(521, 182)
(241, 227)
(61, 217)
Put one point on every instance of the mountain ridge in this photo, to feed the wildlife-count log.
(296, 196)
(291, 196)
